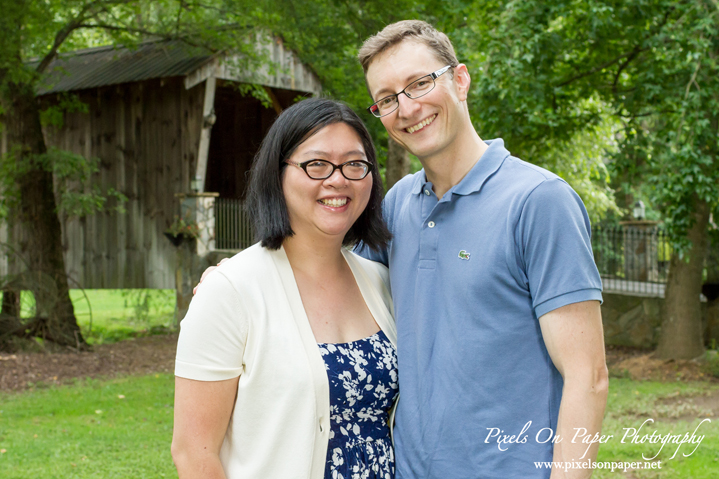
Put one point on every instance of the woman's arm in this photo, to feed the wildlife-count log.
(202, 414)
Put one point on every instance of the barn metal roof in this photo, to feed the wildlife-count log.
(111, 65)
(102, 66)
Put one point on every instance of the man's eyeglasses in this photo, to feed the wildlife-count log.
(416, 89)
(323, 169)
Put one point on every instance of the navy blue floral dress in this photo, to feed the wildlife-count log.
(363, 386)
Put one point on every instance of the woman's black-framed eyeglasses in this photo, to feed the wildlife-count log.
(322, 169)
(419, 87)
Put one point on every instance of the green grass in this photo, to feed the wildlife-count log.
(89, 430)
(632, 402)
(111, 315)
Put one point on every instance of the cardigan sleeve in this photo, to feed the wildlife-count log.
(213, 333)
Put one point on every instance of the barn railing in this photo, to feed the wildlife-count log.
(233, 228)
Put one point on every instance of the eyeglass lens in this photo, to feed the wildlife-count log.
(321, 169)
(415, 89)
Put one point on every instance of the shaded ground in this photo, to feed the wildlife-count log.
(145, 355)
(157, 354)
(642, 365)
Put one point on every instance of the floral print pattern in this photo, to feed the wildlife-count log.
(363, 386)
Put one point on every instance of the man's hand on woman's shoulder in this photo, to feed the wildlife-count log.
(206, 272)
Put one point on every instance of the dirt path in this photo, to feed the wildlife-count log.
(157, 354)
(135, 356)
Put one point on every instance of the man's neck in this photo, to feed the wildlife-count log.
(447, 168)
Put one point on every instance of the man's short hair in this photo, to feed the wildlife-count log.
(265, 196)
(415, 30)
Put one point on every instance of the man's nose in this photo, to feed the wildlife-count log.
(407, 106)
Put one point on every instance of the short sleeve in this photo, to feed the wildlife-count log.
(213, 333)
(555, 240)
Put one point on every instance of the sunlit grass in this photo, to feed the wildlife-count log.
(89, 430)
(633, 402)
(119, 428)
(111, 315)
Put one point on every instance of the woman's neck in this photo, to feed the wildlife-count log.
(314, 257)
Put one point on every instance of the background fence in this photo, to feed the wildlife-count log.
(632, 258)
(233, 228)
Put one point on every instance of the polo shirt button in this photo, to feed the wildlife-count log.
(426, 192)
(322, 429)
(431, 224)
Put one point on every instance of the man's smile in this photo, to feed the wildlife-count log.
(421, 124)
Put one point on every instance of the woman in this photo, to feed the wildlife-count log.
(286, 363)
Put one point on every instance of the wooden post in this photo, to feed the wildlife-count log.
(192, 254)
(209, 119)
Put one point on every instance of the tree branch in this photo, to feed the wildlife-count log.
(693, 80)
(633, 53)
(621, 68)
(185, 38)
(73, 25)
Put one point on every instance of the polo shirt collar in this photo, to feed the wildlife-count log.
(489, 163)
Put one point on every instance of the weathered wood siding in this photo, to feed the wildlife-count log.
(146, 136)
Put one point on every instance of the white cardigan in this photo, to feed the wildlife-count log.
(247, 320)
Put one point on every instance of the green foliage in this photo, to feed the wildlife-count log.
(591, 90)
(76, 195)
(568, 132)
(516, 52)
(183, 227)
(652, 65)
(54, 114)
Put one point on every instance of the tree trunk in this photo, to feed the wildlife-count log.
(38, 217)
(681, 333)
(10, 302)
(397, 164)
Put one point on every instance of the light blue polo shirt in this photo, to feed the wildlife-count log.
(470, 276)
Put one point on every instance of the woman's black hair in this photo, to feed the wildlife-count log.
(265, 197)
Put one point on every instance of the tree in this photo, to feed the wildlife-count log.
(42, 29)
(552, 71)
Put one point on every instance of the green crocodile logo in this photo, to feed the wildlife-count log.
(464, 255)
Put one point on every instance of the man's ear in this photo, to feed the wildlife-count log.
(462, 80)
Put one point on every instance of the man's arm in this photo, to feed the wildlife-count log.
(574, 339)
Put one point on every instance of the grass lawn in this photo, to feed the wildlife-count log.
(632, 402)
(110, 315)
(123, 427)
(121, 313)
(119, 428)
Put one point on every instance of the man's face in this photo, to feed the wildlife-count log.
(424, 126)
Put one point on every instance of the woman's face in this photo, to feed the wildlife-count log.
(326, 207)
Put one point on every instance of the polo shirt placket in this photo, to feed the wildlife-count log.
(429, 235)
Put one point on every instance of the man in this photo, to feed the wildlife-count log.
(496, 294)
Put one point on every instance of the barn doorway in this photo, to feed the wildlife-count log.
(242, 121)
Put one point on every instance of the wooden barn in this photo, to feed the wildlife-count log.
(165, 121)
